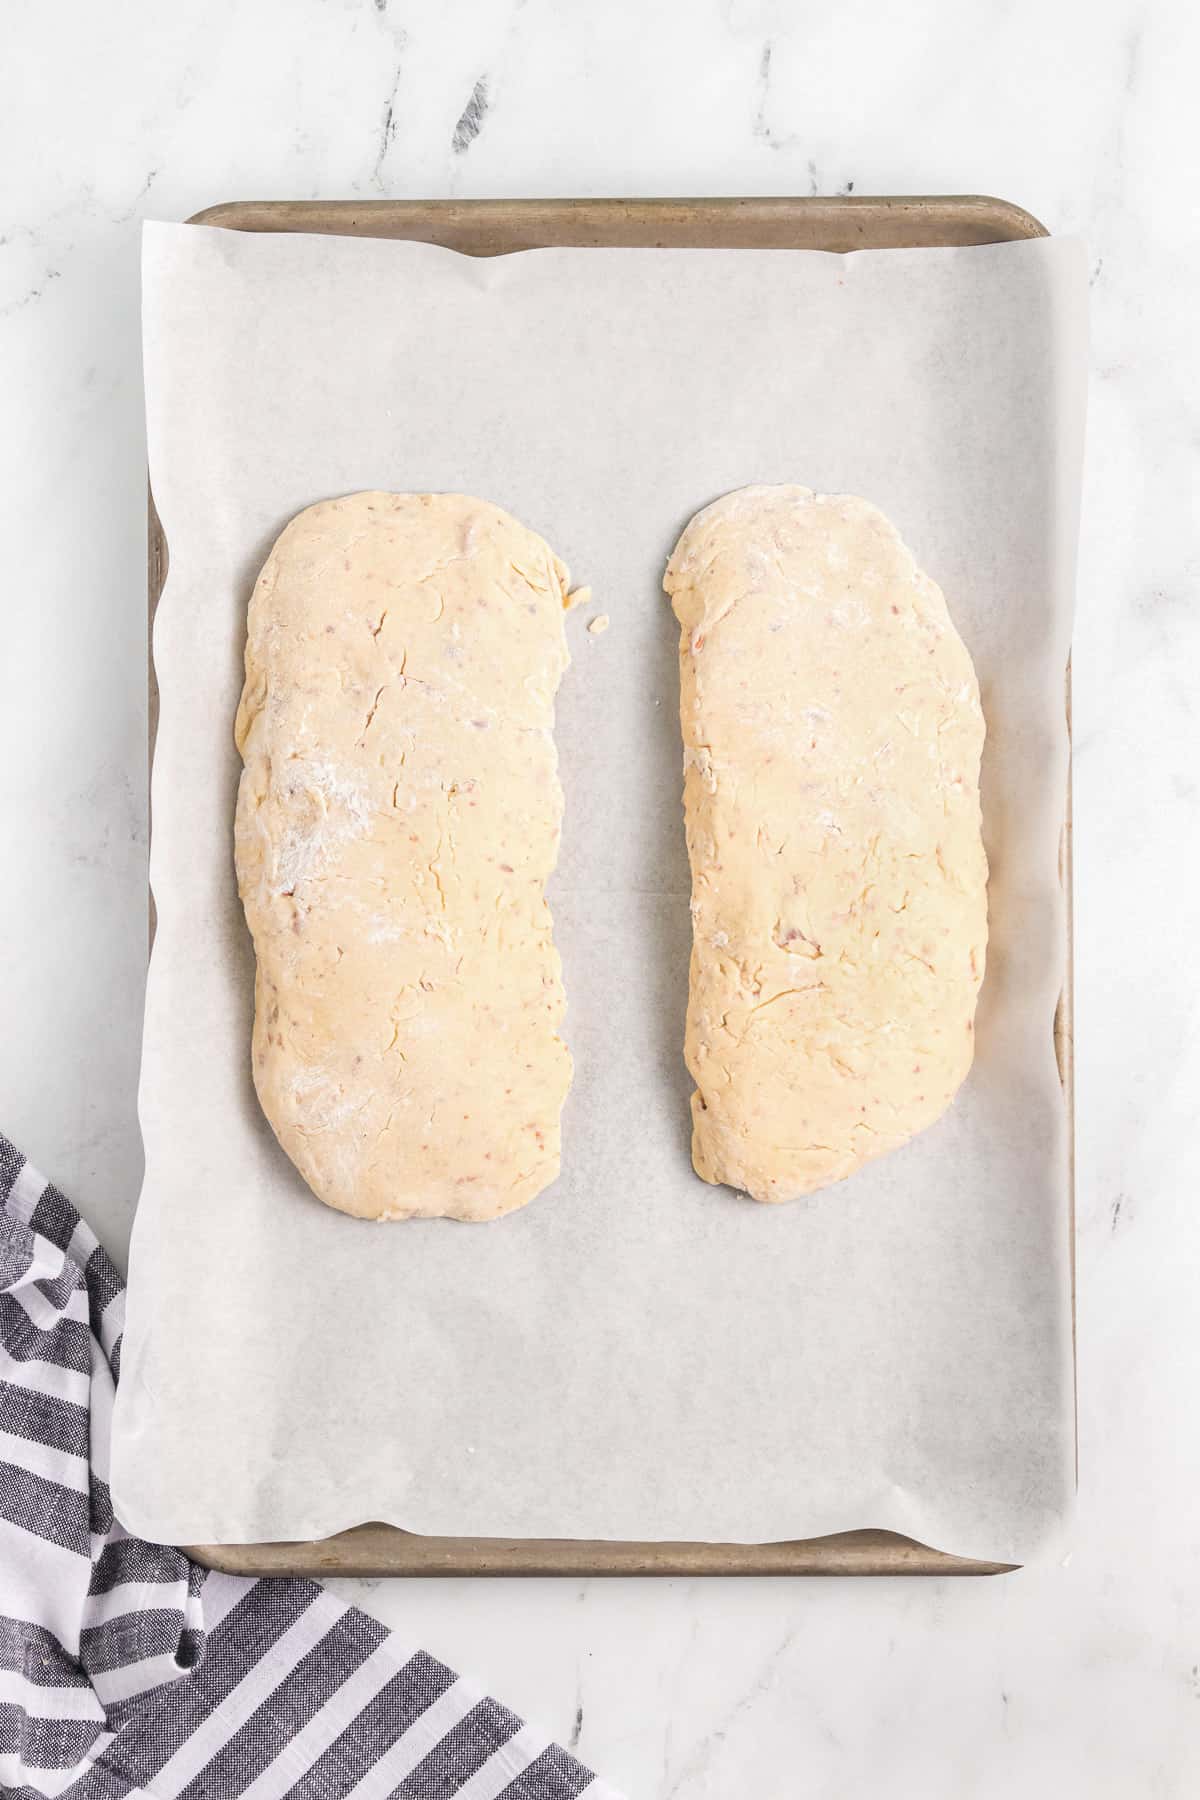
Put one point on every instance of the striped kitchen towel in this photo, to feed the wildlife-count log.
(125, 1669)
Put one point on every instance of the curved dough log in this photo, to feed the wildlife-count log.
(832, 739)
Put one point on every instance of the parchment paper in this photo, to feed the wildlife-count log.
(635, 1354)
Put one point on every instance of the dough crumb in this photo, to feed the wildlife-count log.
(578, 597)
(600, 623)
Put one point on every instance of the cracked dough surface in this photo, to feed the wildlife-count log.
(832, 740)
(397, 818)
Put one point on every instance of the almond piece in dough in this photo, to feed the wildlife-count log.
(832, 739)
(397, 819)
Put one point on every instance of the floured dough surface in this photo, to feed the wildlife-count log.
(397, 819)
(832, 740)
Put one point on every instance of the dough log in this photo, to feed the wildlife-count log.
(397, 819)
(832, 739)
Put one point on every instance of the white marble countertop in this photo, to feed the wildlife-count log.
(1080, 1679)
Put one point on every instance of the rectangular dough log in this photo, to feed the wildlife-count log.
(832, 739)
(397, 819)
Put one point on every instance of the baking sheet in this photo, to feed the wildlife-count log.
(635, 1355)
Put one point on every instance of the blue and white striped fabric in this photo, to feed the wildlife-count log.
(125, 1669)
